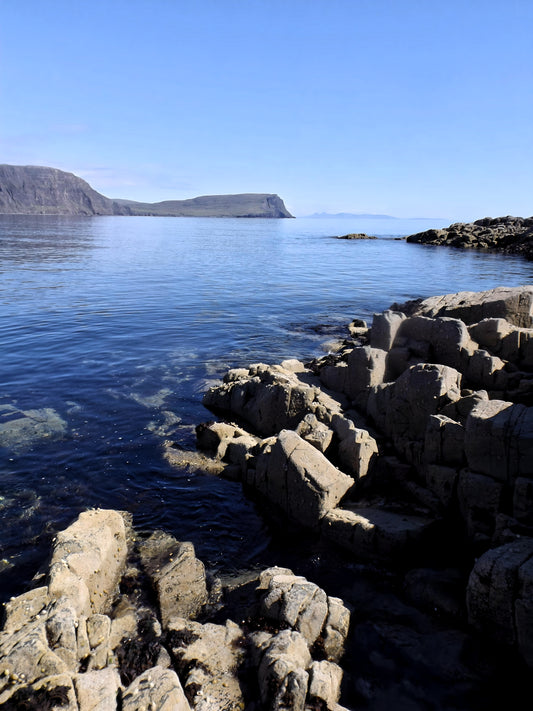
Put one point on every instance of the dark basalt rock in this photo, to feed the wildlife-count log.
(513, 235)
(356, 235)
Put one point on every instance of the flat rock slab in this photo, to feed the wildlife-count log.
(372, 533)
(514, 304)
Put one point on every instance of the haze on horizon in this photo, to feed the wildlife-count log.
(403, 108)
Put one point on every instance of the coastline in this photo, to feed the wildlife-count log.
(406, 453)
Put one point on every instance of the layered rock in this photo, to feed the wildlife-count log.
(505, 234)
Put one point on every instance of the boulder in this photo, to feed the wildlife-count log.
(214, 437)
(269, 398)
(155, 688)
(315, 432)
(335, 630)
(419, 392)
(357, 449)
(283, 679)
(495, 585)
(524, 611)
(334, 376)
(514, 304)
(20, 610)
(61, 632)
(523, 500)
(499, 440)
(442, 481)
(176, 574)
(88, 560)
(486, 371)
(293, 474)
(366, 368)
(324, 683)
(447, 340)
(385, 326)
(55, 692)
(98, 690)
(297, 603)
(25, 657)
(208, 656)
(377, 534)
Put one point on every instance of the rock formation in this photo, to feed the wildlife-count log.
(356, 235)
(406, 456)
(513, 235)
(38, 190)
(418, 430)
(123, 623)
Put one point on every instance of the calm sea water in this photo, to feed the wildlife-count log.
(117, 325)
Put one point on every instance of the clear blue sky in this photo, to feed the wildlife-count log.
(402, 107)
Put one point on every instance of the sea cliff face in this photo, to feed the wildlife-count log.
(245, 205)
(39, 190)
(513, 235)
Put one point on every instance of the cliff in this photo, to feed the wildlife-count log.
(244, 205)
(513, 235)
(38, 190)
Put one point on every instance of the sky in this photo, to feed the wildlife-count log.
(408, 108)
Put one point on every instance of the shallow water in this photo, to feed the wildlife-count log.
(113, 327)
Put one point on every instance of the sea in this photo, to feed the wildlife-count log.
(112, 328)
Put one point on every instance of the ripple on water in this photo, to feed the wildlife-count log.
(112, 328)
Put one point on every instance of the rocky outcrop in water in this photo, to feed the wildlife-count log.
(513, 235)
(406, 459)
(131, 623)
(38, 190)
(410, 448)
(356, 235)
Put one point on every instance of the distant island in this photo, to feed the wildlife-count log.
(39, 190)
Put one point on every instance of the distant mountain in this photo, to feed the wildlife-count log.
(351, 215)
(38, 190)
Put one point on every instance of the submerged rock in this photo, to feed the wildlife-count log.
(21, 429)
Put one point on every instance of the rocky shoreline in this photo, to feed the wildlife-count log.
(407, 454)
(511, 235)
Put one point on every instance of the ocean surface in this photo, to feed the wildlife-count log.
(113, 327)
